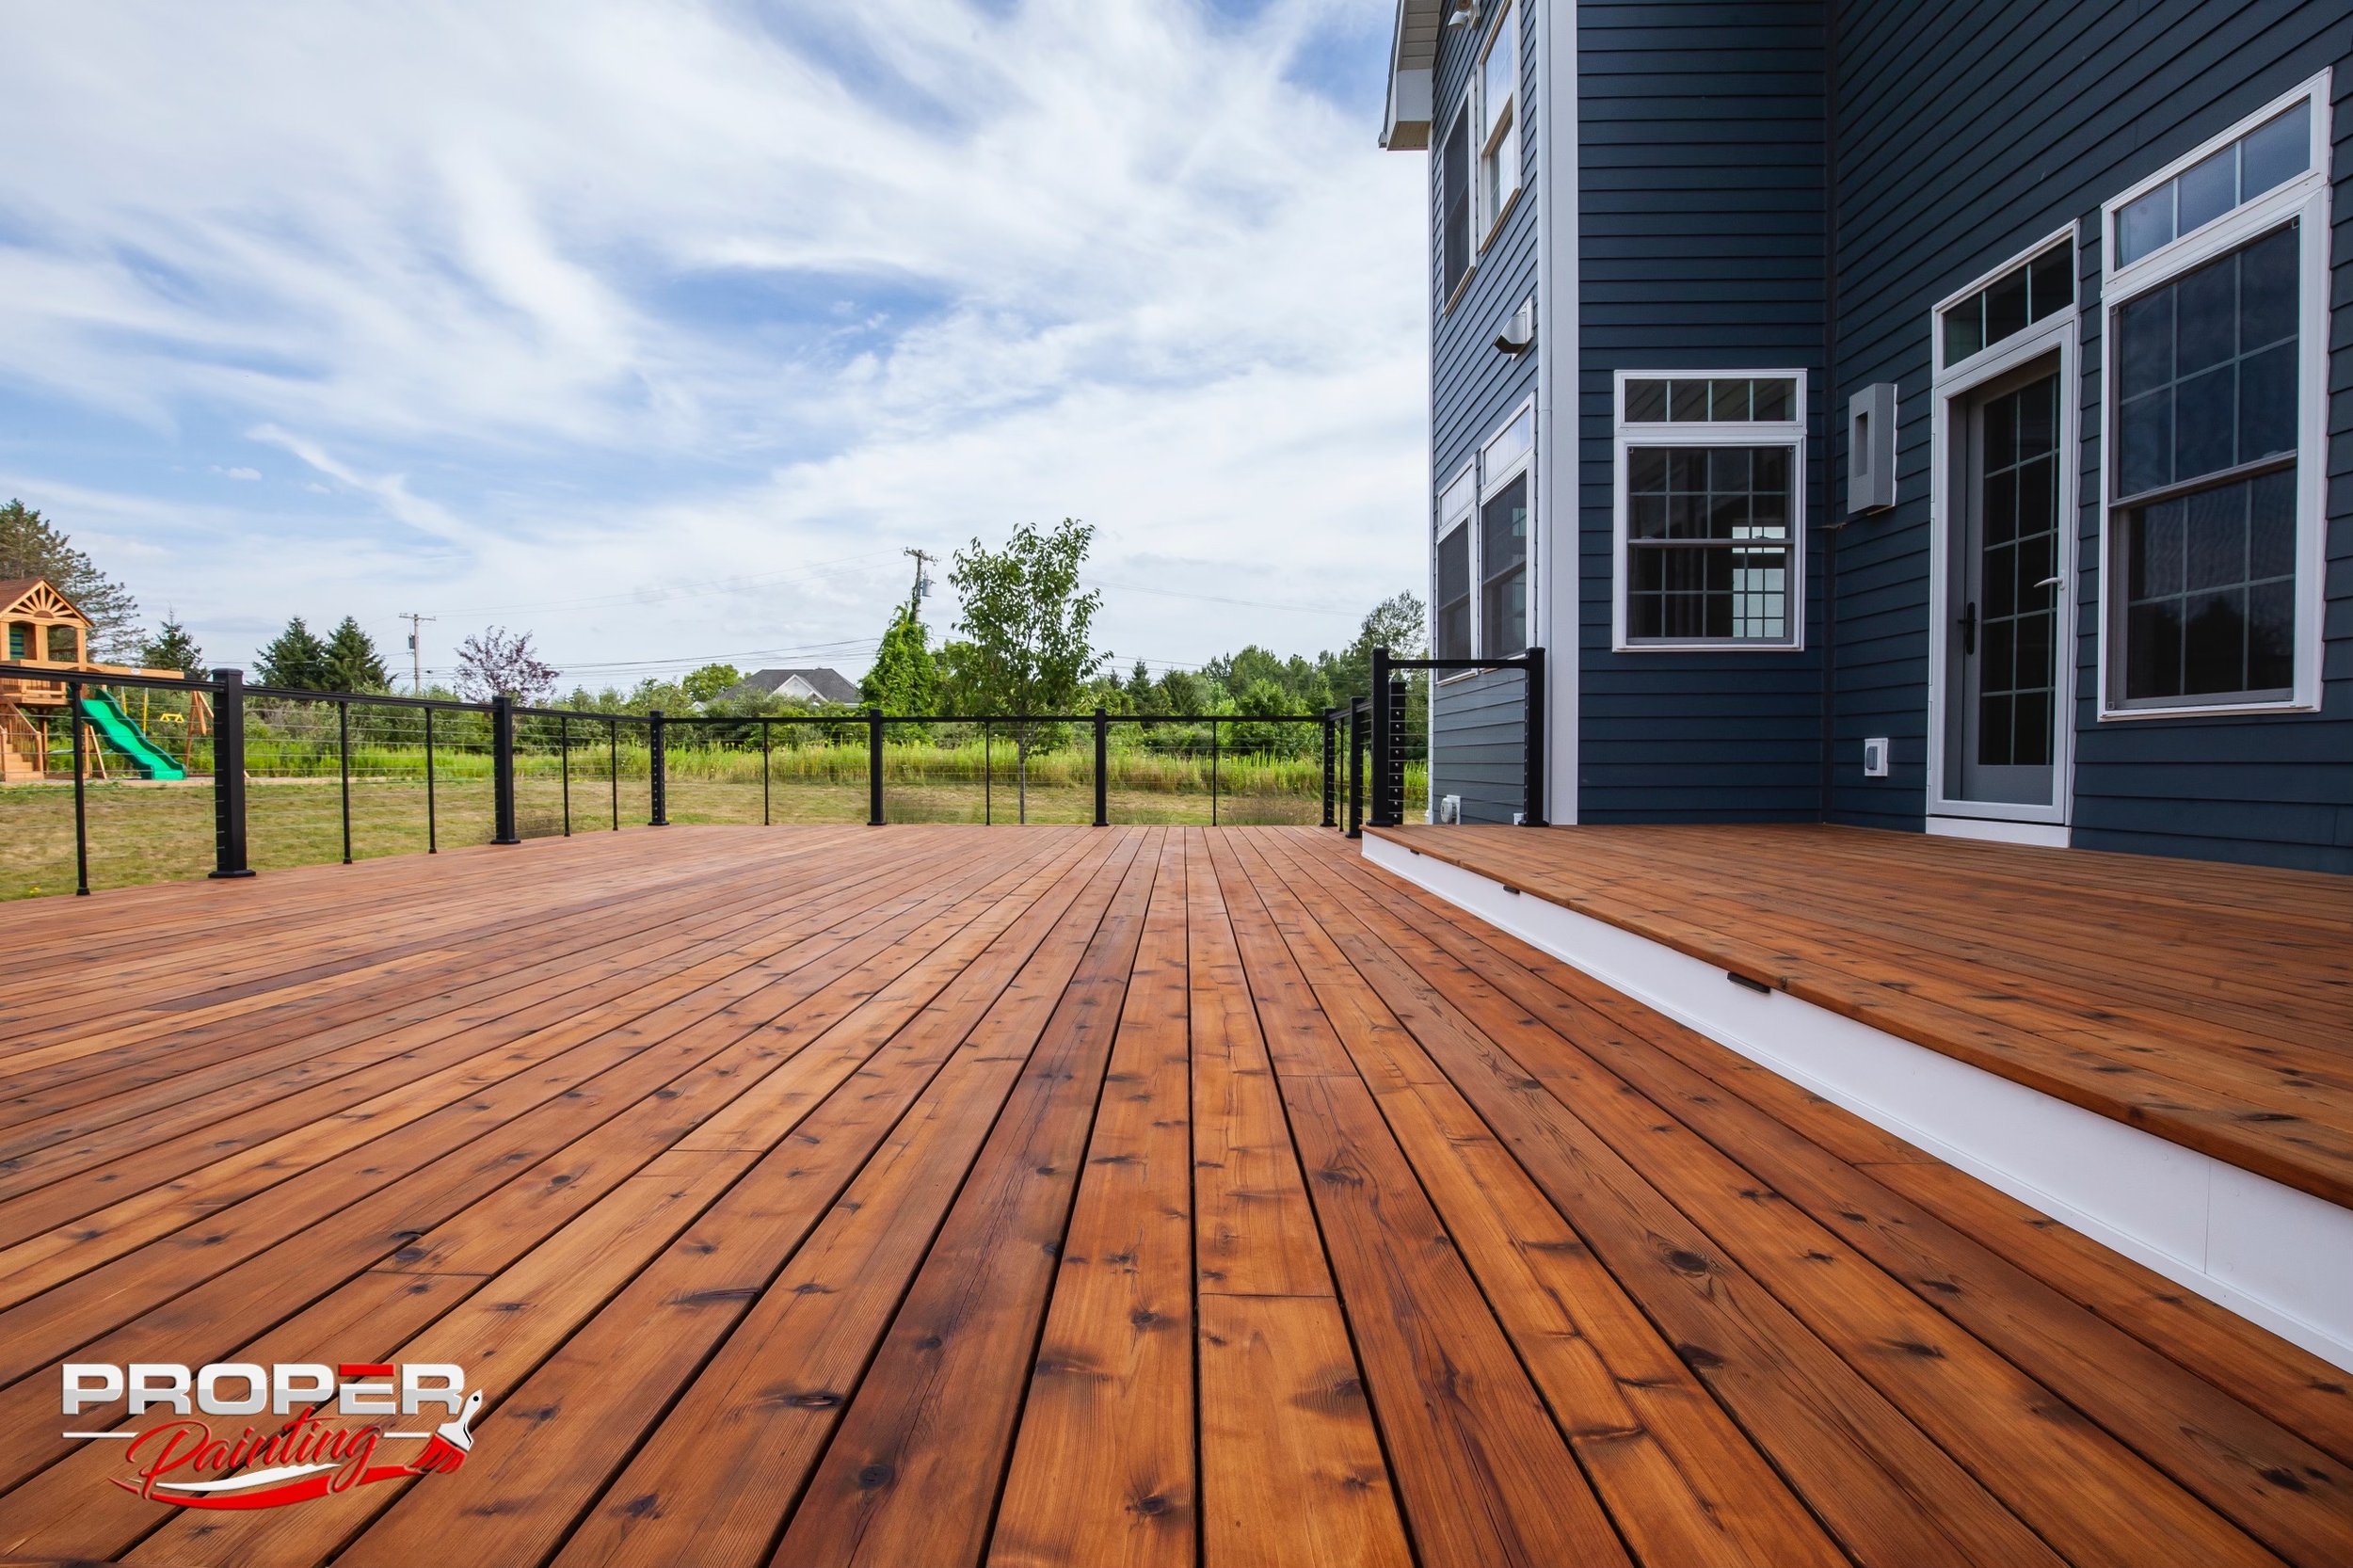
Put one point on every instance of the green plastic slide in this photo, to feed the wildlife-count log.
(119, 734)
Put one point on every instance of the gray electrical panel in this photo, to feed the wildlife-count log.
(1871, 449)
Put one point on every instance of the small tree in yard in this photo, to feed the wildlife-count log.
(707, 684)
(352, 662)
(496, 662)
(30, 546)
(294, 658)
(171, 649)
(1026, 627)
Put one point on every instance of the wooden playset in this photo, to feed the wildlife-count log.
(45, 630)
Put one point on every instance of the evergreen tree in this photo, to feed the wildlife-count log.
(905, 678)
(171, 649)
(351, 662)
(294, 658)
(31, 547)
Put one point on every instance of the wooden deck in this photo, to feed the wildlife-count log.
(2210, 1004)
(939, 1195)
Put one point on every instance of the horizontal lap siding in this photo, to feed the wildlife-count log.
(1478, 751)
(1967, 131)
(1473, 390)
(1700, 240)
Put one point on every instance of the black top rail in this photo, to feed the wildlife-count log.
(1389, 728)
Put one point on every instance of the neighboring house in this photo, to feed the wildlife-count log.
(805, 685)
(1924, 423)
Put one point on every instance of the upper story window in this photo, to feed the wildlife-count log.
(1452, 574)
(2216, 338)
(1454, 213)
(1496, 98)
(1710, 494)
(2038, 287)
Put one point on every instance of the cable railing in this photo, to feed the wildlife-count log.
(1382, 744)
(300, 777)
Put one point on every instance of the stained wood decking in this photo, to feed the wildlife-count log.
(2210, 1004)
(940, 1195)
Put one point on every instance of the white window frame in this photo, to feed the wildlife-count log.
(1466, 515)
(1490, 482)
(2304, 199)
(2060, 331)
(1629, 435)
(1489, 142)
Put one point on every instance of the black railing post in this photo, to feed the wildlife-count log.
(432, 826)
(765, 728)
(1213, 772)
(81, 810)
(502, 771)
(1331, 773)
(873, 767)
(1381, 817)
(988, 775)
(1356, 716)
(343, 758)
(657, 770)
(564, 745)
(1102, 768)
(1533, 815)
(228, 845)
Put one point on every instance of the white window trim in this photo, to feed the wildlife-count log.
(1489, 224)
(2305, 198)
(1447, 524)
(2060, 331)
(1629, 435)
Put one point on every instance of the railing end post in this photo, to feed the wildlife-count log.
(229, 820)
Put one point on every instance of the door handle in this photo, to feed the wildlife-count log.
(2048, 582)
(1969, 629)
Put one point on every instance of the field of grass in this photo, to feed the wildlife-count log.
(141, 832)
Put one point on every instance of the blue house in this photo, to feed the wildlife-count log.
(1892, 416)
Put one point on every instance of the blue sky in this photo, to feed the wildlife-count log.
(661, 329)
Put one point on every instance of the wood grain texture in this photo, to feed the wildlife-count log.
(1148, 1196)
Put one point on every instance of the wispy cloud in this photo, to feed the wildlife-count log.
(583, 298)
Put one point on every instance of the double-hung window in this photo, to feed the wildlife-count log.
(2217, 314)
(1496, 96)
(1710, 503)
(1452, 630)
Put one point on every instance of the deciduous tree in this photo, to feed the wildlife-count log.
(1028, 629)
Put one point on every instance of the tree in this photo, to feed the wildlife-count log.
(905, 678)
(709, 683)
(496, 662)
(171, 649)
(294, 658)
(1027, 628)
(352, 663)
(31, 547)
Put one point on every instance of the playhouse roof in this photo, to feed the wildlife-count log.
(37, 595)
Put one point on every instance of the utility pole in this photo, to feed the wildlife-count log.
(416, 651)
(923, 559)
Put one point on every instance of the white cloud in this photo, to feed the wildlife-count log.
(587, 297)
(237, 472)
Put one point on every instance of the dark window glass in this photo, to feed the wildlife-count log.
(2206, 369)
(1735, 399)
(1690, 401)
(2210, 600)
(1646, 402)
(1708, 546)
(2028, 291)
(1455, 188)
(2017, 603)
(1454, 605)
(2266, 157)
(1503, 564)
(1773, 399)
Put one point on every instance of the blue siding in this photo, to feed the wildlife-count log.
(2040, 112)
(1475, 723)
(1702, 238)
